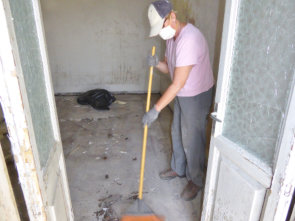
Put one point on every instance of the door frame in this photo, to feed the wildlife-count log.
(17, 114)
(280, 178)
(7, 202)
(283, 182)
(16, 120)
(59, 161)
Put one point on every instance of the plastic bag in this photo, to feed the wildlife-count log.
(99, 99)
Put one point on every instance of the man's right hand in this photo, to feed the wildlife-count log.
(153, 60)
(150, 116)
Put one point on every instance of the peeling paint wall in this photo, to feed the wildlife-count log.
(207, 15)
(98, 44)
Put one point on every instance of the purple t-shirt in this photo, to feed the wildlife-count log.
(190, 48)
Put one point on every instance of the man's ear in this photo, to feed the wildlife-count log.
(173, 16)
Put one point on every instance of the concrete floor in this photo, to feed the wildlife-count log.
(103, 152)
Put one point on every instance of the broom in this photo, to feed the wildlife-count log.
(139, 211)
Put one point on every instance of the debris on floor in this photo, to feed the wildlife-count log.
(117, 181)
(106, 212)
(134, 195)
(99, 99)
(72, 151)
(108, 169)
(120, 102)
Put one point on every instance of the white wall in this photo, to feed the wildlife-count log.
(104, 44)
(98, 44)
(209, 19)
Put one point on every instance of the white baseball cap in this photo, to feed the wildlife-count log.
(157, 13)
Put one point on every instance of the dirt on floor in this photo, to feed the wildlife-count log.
(103, 154)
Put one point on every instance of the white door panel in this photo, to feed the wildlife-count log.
(253, 166)
(238, 196)
(58, 211)
(237, 186)
(56, 186)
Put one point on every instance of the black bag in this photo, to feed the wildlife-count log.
(99, 99)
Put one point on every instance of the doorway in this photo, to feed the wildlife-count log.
(26, 80)
(107, 49)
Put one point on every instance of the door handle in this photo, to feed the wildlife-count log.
(214, 117)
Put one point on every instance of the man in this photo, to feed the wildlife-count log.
(187, 61)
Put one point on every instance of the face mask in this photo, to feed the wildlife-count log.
(167, 33)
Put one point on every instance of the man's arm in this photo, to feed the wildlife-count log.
(180, 76)
(163, 66)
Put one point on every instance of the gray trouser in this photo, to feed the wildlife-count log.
(189, 136)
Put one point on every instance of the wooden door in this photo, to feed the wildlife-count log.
(27, 99)
(249, 174)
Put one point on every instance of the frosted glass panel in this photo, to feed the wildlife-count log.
(261, 76)
(31, 63)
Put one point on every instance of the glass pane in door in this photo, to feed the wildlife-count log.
(261, 75)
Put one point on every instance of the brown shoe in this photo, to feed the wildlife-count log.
(190, 191)
(168, 174)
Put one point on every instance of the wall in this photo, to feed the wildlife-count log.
(98, 44)
(207, 15)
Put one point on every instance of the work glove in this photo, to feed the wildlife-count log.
(153, 60)
(150, 117)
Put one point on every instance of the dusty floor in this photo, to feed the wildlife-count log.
(103, 152)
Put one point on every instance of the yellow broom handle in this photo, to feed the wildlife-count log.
(145, 132)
